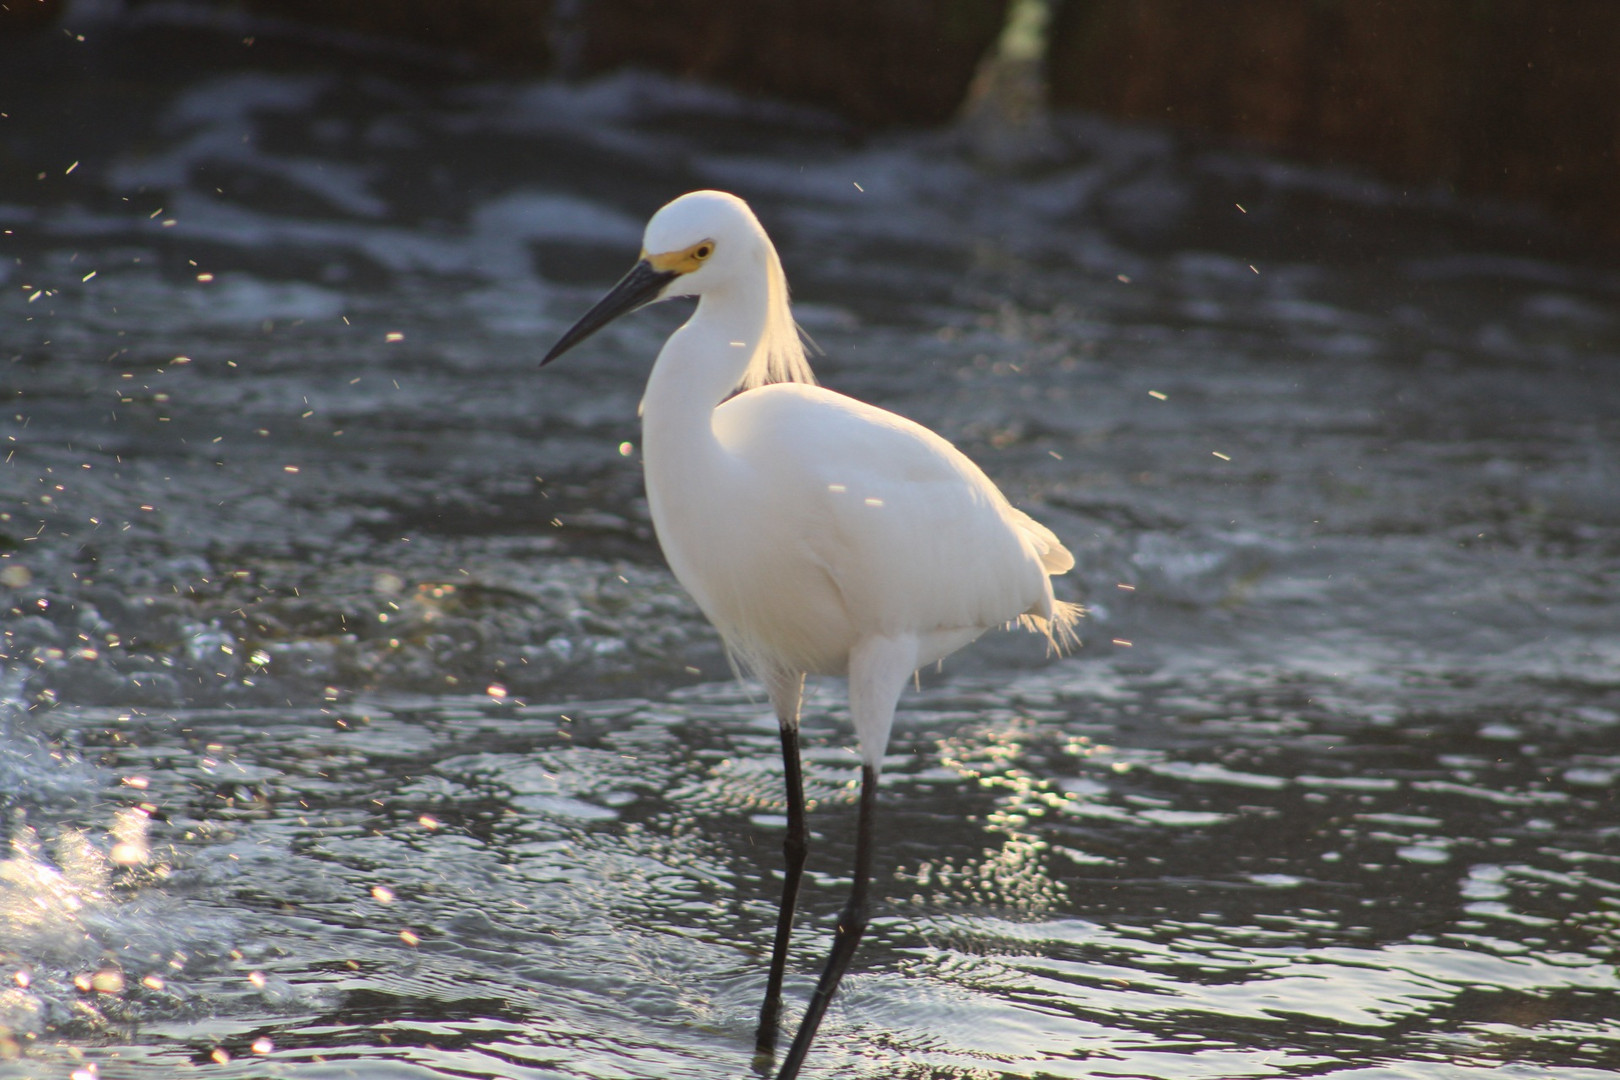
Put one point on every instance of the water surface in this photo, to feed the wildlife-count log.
(352, 725)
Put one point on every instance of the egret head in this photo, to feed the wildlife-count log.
(696, 243)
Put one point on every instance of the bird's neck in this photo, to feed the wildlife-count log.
(700, 365)
(688, 472)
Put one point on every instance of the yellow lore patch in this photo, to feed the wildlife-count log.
(681, 262)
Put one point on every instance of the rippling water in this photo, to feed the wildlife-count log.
(352, 725)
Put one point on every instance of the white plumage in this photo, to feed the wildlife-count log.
(818, 533)
(818, 520)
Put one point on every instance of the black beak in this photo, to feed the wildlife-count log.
(639, 287)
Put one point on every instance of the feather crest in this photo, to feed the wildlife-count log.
(780, 356)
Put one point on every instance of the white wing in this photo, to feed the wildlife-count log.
(911, 533)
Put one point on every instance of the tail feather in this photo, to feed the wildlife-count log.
(1053, 618)
(1058, 628)
(1055, 558)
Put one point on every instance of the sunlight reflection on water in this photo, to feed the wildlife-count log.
(490, 873)
(351, 725)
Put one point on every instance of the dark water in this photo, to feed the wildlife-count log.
(352, 725)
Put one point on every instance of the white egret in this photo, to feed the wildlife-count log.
(819, 534)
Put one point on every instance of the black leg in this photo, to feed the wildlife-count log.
(851, 925)
(794, 848)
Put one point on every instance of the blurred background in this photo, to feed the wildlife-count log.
(351, 723)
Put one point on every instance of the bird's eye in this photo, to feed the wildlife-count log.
(703, 251)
